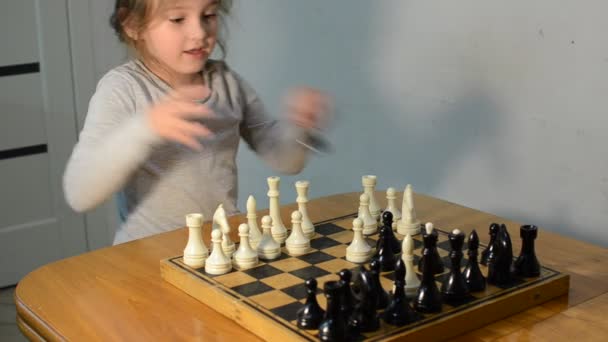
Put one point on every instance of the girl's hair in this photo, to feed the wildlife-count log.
(137, 14)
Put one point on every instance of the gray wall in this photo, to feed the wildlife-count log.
(498, 106)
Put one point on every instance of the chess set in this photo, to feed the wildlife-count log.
(371, 275)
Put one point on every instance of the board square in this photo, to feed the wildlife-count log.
(235, 279)
(336, 265)
(288, 312)
(328, 229)
(445, 245)
(309, 272)
(297, 291)
(252, 289)
(261, 272)
(344, 236)
(282, 280)
(336, 251)
(272, 299)
(290, 264)
(323, 242)
(315, 257)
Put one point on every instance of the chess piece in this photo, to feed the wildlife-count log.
(430, 247)
(472, 274)
(387, 220)
(499, 262)
(252, 221)
(268, 248)
(527, 264)
(279, 232)
(311, 314)
(297, 243)
(333, 326)
(428, 298)
(217, 263)
(364, 317)
(369, 188)
(494, 227)
(245, 257)
(359, 250)
(384, 253)
(391, 197)
(221, 221)
(348, 301)
(307, 227)
(381, 295)
(399, 312)
(408, 224)
(412, 283)
(370, 225)
(455, 289)
(195, 252)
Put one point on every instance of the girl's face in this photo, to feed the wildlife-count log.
(180, 38)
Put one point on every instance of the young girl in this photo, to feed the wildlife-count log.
(163, 129)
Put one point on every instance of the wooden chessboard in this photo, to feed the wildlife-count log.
(265, 299)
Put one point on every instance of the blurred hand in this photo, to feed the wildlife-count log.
(173, 117)
(308, 108)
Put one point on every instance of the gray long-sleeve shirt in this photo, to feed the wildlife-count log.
(159, 182)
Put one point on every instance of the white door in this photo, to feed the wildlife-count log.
(37, 133)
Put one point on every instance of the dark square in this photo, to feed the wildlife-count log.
(447, 262)
(281, 257)
(445, 245)
(315, 257)
(459, 302)
(263, 271)
(288, 312)
(328, 229)
(297, 291)
(323, 242)
(309, 272)
(513, 283)
(252, 289)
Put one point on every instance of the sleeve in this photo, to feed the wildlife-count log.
(113, 143)
(278, 142)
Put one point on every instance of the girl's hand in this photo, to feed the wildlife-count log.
(308, 108)
(172, 118)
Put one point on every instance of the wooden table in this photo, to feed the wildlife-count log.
(116, 293)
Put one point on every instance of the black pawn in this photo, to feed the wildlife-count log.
(364, 317)
(428, 298)
(311, 314)
(348, 300)
(430, 247)
(472, 274)
(387, 221)
(333, 326)
(381, 295)
(384, 250)
(485, 255)
(527, 264)
(499, 263)
(399, 312)
(455, 289)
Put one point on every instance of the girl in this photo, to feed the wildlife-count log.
(163, 129)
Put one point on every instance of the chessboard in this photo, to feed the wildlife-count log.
(265, 299)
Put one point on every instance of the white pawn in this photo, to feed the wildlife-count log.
(245, 257)
(412, 283)
(297, 243)
(307, 227)
(220, 221)
(359, 250)
(268, 248)
(252, 221)
(369, 188)
(391, 196)
(429, 227)
(370, 225)
(408, 224)
(279, 232)
(217, 263)
(195, 252)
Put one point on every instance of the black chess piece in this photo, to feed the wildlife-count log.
(364, 317)
(333, 326)
(381, 295)
(399, 312)
(499, 262)
(428, 298)
(384, 251)
(430, 245)
(311, 314)
(348, 300)
(494, 227)
(455, 288)
(472, 274)
(527, 264)
(387, 221)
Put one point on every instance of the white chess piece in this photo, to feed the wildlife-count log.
(279, 232)
(370, 225)
(391, 196)
(217, 263)
(252, 221)
(429, 227)
(412, 283)
(408, 224)
(268, 248)
(369, 188)
(297, 243)
(221, 221)
(245, 257)
(359, 251)
(195, 252)
(307, 227)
